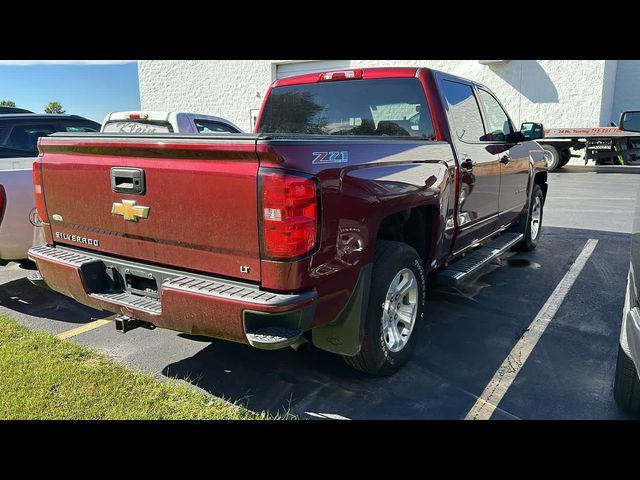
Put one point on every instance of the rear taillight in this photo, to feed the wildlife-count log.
(37, 188)
(3, 202)
(290, 214)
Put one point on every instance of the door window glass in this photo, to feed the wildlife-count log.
(464, 111)
(497, 120)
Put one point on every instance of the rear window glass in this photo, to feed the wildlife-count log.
(79, 128)
(25, 137)
(389, 107)
(126, 126)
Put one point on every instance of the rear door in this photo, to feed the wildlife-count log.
(183, 202)
(479, 164)
(513, 157)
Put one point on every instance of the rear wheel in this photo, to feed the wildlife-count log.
(396, 306)
(551, 157)
(531, 223)
(565, 156)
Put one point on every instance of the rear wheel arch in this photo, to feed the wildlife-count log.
(413, 226)
(540, 179)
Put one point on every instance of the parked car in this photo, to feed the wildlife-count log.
(166, 122)
(19, 135)
(5, 110)
(627, 381)
(3, 201)
(325, 224)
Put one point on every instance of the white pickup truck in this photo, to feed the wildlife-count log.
(142, 122)
(19, 133)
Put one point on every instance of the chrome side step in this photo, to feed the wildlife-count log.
(462, 269)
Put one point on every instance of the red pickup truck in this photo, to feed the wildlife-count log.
(358, 189)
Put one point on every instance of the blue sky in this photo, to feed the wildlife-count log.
(87, 88)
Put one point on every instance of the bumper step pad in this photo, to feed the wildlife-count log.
(150, 305)
(463, 269)
(273, 337)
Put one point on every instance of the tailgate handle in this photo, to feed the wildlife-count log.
(128, 180)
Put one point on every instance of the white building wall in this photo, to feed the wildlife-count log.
(226, 88)
(627, 89)
(558, 93)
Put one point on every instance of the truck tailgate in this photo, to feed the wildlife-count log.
(198, 210)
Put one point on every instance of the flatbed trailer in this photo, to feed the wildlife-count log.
(603, 145)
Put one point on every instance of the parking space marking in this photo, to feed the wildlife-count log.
(497, 388)
(84, 328)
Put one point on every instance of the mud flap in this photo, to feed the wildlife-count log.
(344, 335)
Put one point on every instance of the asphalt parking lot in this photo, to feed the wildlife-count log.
(468, 335)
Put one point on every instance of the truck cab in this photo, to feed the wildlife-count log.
(166, 122)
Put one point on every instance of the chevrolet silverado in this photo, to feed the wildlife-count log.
(357, 190)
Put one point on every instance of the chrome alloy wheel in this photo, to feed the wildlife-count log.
(548, 157)
(536, 216)
(400, 310)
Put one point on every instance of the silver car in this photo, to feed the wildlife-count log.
(19, 133)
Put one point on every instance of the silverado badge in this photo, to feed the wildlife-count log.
(129, 210)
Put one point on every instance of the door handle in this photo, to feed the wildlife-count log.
(468, 164)
(505, 159)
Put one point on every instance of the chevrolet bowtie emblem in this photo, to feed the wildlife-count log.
(129, 210)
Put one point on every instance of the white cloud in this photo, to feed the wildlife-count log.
(64, 62)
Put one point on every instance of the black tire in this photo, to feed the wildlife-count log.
(529, 242)
(552, 156)
(565, 156)
(626, 387)
(375, 357)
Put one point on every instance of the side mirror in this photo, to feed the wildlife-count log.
(532, 131)
(515, 137)
(630, 121)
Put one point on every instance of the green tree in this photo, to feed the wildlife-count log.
(7, 103)
(54, 107)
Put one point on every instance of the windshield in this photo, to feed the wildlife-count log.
(389, 107)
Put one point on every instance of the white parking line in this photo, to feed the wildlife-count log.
(506, 374)
(329, 416)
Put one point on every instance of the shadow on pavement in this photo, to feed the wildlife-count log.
(469, 332)
(630, 169)
(22, 296)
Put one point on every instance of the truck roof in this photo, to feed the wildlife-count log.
(38, 116)
(367, 74)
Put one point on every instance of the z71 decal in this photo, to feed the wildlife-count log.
(330, 157)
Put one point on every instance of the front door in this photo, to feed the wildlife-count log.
(513, 157)
(479, 165)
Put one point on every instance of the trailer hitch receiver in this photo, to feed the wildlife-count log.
(125, 324)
